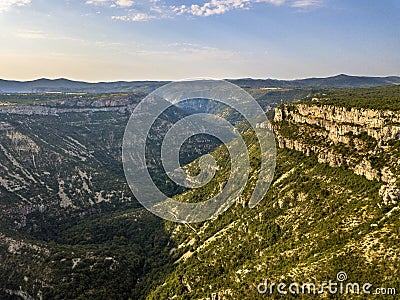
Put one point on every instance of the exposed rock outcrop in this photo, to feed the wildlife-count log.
(56, 107)
(390, 194)
(339, 121)
(361, 135)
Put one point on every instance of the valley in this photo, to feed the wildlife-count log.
(70, 227)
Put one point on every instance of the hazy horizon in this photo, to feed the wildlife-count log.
(157, 80)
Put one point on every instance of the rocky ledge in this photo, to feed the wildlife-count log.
(340, 121)
(364, 140)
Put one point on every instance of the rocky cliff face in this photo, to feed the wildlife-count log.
(340, 121)
(56, 107)
(363, 140)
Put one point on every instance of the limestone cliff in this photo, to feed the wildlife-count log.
(364, 140)
(340, 121)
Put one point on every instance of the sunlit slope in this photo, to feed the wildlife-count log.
(333, 206)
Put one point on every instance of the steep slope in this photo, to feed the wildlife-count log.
(333, 207)
(70, 227)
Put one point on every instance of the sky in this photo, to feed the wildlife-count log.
(108, 40)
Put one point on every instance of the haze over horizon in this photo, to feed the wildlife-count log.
(113, 40)
(166, 80)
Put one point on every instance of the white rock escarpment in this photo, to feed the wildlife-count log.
(322, 130)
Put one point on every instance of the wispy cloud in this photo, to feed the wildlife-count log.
(135, 17)
(157, 9)
(187, 52)
(40, 35)
(110, 3)
(97, 2)
(124, 3)
(217, 7)
(31, 34)
(306, 3)
(153, 9)
(7, 4)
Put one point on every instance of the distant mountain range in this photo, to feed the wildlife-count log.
(65, 85)
(338, 81)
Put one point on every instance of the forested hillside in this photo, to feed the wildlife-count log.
(71, 229)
